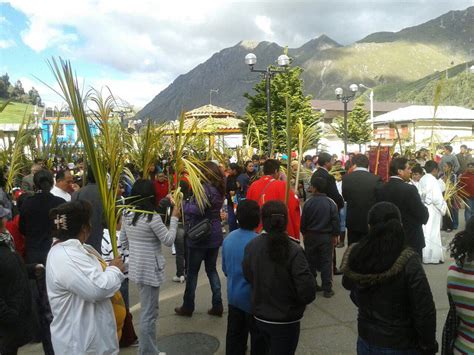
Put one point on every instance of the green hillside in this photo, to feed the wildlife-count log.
(15, 111)
(457, 88)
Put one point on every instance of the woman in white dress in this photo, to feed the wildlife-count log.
(79, 289)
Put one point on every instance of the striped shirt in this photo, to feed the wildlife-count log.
(107, 253)
(143, 240)
(461, 288)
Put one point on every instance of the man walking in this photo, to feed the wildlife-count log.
(63, 187)
(432, 197)
(448, 157)
(406, 197)
(464, 158)
(358, 190)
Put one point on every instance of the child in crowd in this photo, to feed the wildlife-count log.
(320, 229)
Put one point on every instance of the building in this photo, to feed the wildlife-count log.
(416, 123)
(221, 125)
(330, 109)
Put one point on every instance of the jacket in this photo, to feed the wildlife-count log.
(91, 193)
(193, 215)
(79, 293)
(280, 292)
(320, 216)
(358, 190)
(396, 308)
(414, 212)
(331, 187)
(36, 226)
(18, 321)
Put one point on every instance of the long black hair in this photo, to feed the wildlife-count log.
(275, 220)
(69, 218)
(384, 243)
(43, 180)
(462, 244)
(144, 198)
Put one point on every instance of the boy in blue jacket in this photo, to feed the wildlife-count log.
(240, 321)
(320, 229)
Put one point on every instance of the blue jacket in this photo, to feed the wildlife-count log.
(193, 215)
(239, 291)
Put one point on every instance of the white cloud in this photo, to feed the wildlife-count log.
(264, 24)
(7, 43)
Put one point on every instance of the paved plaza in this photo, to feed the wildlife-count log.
(329, 325)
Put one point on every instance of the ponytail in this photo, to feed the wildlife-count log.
(275, 220)
(43, 180)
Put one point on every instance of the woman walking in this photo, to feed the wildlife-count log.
(143, 235)
(206, 250)
(79, 288)
(282, 283)
(387, 283)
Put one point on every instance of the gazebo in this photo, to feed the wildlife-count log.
(216, 122)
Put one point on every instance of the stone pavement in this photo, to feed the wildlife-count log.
(329, 325)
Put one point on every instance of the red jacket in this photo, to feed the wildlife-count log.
(466, 181)
(267, 189)
(161, 189)
(13, 227)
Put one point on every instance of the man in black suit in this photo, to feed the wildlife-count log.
(325, 162)
(358, 190)
(407, 199)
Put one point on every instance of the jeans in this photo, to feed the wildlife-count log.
(195, 257)
(280, 339)
(180, 245)
(364, 348)
(239, 325)
(469, 212)
(319, 252)
(149, 296)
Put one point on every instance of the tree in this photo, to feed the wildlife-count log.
(282, 84)
(34, 97)
(4, 84)
(18, 91)
(359, 129)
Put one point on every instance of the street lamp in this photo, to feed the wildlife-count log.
(283, 61)
(371, 98)
(345, 99)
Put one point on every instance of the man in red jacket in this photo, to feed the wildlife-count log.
(268, 188)
(466, 181)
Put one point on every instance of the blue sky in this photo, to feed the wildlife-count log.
(139, 47)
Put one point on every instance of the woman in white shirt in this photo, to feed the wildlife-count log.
(79, 289)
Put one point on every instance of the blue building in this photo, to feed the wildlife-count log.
(67, 130)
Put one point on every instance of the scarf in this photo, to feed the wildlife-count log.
(7, 239)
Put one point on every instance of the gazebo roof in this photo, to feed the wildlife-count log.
(209, 124)
(209, 111)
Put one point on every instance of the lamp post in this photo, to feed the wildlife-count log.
(345, 99)
(283, 62)
(371, 99)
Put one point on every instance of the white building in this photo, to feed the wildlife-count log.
(416, 123)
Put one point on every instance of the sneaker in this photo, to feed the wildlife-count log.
(179, 279)
(328, 294)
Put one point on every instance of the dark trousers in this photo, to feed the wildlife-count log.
(181, 251)
(319, 252)
(354, 236)
(280, 339)
(195, 257)
(239, 325)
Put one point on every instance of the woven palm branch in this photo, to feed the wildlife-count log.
(454, 195)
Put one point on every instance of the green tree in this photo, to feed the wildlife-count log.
(359, 129)
(34, 97)
(282, 84)
(18, 91)
(4, 84)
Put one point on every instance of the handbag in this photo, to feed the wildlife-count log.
(450, 329)
(200, 232)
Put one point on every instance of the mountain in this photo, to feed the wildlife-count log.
(457, 86)
(383, 58)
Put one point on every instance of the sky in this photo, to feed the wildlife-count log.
(137, 48)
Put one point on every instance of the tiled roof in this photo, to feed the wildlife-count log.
(209, 110)
(336, 105)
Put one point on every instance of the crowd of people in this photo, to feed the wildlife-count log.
(62, 285)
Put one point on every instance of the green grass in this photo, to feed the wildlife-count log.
(15, 111)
